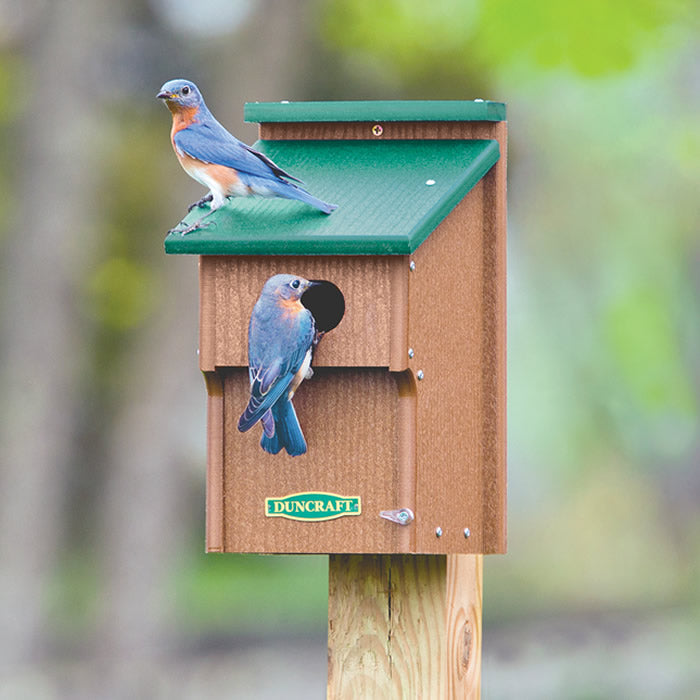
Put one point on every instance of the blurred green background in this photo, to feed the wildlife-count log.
(104, 588)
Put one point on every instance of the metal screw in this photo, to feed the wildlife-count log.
(412, 266)
(467, 532)
(419, 374)
(411, 353)
(377, 130)
(438, 531)
(430, 183)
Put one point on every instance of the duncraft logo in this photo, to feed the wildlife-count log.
(312, 506)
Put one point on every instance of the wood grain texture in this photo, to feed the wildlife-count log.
(464, 607)
(457, 328)
(403, 626)
(398, 359)
(207, 315)
(454, 337)
(215, 462)
(391, 130)
(349, 418)
(372, 285)
(406, 435)
(494, 368)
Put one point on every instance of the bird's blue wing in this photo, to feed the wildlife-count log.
(270, 379)
(260, 402)
(211, 143)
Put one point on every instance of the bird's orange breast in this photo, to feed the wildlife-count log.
(182, 117)
(290, 307)
(207, 173)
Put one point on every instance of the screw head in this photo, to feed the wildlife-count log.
(438, 531)
(467, 532)
(412, 266)
(377, 130)
(411, 353)
(430, 182)
(419, 374)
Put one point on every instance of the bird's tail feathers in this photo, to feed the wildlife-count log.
(268, 423)
(291, 191)
(287, 434)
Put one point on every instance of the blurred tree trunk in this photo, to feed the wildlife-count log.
(152, 432)
(267, 61)
(47, 251)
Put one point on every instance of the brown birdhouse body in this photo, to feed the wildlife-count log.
(405, 412)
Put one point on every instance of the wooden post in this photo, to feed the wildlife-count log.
(404, 626)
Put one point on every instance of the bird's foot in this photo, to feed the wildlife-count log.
(196, 226)
(200, 202)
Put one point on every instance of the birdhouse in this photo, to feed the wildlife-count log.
(404, 416)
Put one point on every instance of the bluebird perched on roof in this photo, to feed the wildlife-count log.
(280, 341)
(218, 160)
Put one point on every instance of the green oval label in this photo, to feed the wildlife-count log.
(312, 506)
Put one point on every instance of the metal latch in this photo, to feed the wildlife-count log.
(401, 516)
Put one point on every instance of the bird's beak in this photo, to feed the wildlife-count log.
(311, 283)
(165, 95)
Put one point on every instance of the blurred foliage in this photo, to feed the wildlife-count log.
(422, 39)
(12, 89)
(214, 595)
(591, 38)
(122, 293)
(602, 544)
(253, 594)
(639, 330)
(615, 235)
(125, 289)
(12, 102)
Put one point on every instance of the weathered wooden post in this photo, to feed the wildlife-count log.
(404, 481)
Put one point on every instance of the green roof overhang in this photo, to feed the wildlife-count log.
(376, 111)
(391, 195)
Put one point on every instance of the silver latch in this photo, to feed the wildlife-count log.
(401, 516)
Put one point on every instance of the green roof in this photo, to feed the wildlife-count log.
(376, 111)
(390, 195)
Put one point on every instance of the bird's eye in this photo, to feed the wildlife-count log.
(186, 90)
(295, 284)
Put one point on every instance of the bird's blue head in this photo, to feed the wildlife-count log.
(180, 94)
(286, 287)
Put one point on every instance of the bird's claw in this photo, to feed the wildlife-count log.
(196, 226)
(200, 202)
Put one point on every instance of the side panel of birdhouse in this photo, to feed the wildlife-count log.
(457, 332)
